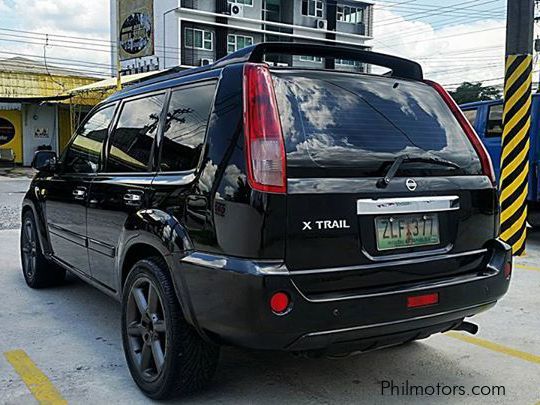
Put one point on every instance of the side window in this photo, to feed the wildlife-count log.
(185, 127)
(132, 140)
(471, 115)
(494, 125)
(83, 154)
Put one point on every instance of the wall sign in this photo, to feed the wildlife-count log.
(136, 28)
(41, 133)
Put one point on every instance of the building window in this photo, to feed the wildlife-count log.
(312, 8)
(236, 42)
(199, 39)
(347, 62)
(244, 2)
(314, 59)
(349, 14)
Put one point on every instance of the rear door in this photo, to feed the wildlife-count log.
(124, 186)
(342, 134)
(67, 192)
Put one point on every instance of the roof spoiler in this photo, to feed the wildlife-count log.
(399, 67)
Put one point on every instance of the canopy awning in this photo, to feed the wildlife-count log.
(93, 93)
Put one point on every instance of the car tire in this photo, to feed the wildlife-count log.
(165, 355)
(37, 270)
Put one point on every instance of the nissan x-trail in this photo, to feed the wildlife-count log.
(306, 210)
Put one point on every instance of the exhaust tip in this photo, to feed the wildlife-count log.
(468, 327)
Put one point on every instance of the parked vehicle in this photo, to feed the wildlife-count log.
(310, 211)
(486, 118)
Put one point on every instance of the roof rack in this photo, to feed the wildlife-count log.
(400, 67)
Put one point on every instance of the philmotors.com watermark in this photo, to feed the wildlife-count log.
(406, 388)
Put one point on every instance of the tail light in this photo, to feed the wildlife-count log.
(485, 160)
(507, 270)
(262, 128)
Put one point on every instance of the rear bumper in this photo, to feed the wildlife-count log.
(228, 300)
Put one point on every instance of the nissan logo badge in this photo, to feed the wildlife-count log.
(411, 184)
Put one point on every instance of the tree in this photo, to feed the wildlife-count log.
(468, 92)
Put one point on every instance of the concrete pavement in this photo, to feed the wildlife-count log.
(72, 333)
(12, 190)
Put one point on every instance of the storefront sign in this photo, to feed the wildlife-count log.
(136, 28)
(7, 131)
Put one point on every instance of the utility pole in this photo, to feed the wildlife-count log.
(118, 36)
(537, 39)
(516, 123)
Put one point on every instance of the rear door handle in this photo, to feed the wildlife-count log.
(79, 193)
(133, 198)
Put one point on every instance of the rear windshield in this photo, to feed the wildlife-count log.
(361, 123)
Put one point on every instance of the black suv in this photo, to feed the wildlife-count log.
(312, 211)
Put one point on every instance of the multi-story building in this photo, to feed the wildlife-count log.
(158, 34)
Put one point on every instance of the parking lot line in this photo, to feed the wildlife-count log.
(525, 267)
(533, 358)
(38, 383)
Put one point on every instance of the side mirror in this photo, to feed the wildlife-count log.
(45, 161)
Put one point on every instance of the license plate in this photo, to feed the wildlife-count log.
(403, 231)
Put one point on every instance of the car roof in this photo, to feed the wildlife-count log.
(165, 80)
(400, 67)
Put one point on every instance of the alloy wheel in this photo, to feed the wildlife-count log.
(146, 329)
(29, 248)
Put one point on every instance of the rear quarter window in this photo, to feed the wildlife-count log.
(185, 127)
(362, 122)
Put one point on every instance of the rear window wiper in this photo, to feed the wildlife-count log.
(385, 180)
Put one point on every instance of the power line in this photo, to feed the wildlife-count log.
(429, 13)
(437, 11)
(42, 35)
(390, 4)
(456, 36)
(72, 62)
(59, 70)
(414, 31)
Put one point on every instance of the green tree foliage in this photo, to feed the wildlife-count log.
(468, 92)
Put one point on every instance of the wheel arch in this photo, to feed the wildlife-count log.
(41, 225)
(151, 233)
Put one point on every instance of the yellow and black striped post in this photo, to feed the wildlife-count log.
(516, 124)
(515, 150)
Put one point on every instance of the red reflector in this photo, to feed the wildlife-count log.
(279, 302)
(507, 270)
(422, 300)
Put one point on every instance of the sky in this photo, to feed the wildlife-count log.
(454, 40)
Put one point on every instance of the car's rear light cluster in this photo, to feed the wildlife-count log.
(507, 270)
(262, 129)
(485, 160)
